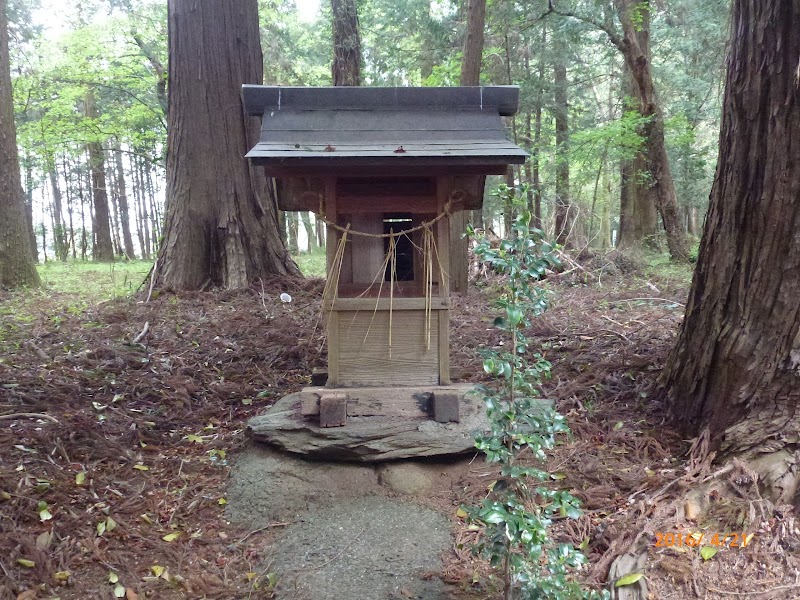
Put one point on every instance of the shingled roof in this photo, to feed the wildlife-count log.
(361, 126)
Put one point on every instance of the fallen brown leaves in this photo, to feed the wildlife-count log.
(114, 454)
(123, 470)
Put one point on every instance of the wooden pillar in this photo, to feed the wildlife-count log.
(333, 237)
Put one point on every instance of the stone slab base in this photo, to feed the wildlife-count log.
(373, 437)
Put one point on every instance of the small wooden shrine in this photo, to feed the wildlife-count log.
(385, 169)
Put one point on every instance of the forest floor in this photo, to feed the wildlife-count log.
(120, 420)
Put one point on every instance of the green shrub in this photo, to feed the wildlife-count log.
(515, 516)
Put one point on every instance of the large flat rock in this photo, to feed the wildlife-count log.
(369, 438)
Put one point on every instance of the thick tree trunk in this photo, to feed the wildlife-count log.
(736, 367)
(122, 199)
(638, 216)
(470, 76)
(564, 213)
(104, 248)
(16, 258)
(473, 42)
(222, 218)
(346, 68)
(635, 47)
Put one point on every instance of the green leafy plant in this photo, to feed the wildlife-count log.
(515, 516)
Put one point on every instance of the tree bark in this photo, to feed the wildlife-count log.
(29, 207)
(222, 218)
(104, 248)
(473, 43)
(122, 199)
(735, 369)
(84, 237)
(293, 232)
(70, 209)
(635, 47)
(156, 219)
(638, 217)
(536, 150)
(44, 241)
(17, 267)
(470, 76)
(115, 226)
(305, 217)
(56, 210)
(346, 67)
(141, 201)
(508, 209)
(563, 209)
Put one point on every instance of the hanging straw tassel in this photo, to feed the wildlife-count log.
(429, 255)
(427, 258)
(331, 290)
(392, 277)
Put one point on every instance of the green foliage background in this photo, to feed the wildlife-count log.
(101, 46)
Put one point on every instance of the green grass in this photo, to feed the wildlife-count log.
(659, 266)
(94, 281)
(312, 264)
(68, 289)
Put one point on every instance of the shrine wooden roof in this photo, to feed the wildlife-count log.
(324, 127)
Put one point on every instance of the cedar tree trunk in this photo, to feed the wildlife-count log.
(104, 248)
(536, 149)
(29, 208)
(473, 43)
(736, 367)
(222, 219)
(346, 68)
(638, 217)
(470, 76)
(16, 259)
(59, 231)
(122, 196)
(563, 210)
(635, 47)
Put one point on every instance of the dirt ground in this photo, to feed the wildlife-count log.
(119, 425)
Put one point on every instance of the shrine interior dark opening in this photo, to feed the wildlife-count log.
(404, 250)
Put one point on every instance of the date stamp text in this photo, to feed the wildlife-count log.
(696, 539)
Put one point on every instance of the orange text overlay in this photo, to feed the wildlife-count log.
(700, 538)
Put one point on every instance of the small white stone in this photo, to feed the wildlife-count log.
(285, 298)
